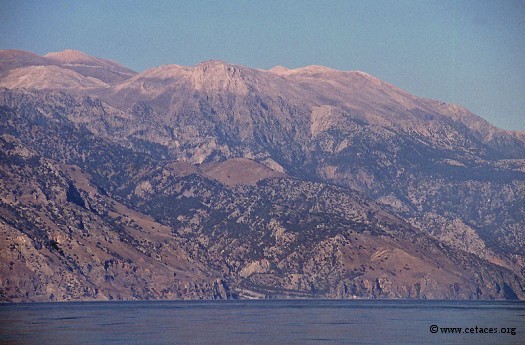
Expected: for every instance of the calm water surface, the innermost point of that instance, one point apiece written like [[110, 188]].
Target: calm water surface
[[261, 322]]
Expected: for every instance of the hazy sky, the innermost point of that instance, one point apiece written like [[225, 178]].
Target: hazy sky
[[467, 52]]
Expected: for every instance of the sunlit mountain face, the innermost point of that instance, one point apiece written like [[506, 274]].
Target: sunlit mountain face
[[219, 181]]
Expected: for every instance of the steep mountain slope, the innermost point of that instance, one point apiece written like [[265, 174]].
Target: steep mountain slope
[[66, 239], [264, 181]]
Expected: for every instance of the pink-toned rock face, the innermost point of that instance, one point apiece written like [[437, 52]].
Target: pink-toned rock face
[[99, 71], [49, 77], [11, 59], [368, 98], [70, 56], [74, 57]]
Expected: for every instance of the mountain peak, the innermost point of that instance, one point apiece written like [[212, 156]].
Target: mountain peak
[[313, 69], [219, 75], [106, 70], [212, 62], [164, 72], [217, 67], [69, 55], [74, 57], [278, 70]]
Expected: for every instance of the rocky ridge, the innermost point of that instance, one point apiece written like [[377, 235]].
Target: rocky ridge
[[220, 181]]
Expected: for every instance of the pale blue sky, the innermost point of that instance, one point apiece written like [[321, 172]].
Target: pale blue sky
[[467, 52]]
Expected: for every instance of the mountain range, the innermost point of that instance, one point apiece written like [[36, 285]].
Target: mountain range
[[220, 181]]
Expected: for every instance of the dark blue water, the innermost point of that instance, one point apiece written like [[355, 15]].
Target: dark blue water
[[262, 322]]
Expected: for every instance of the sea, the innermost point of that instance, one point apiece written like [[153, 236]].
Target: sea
[[264, 322]]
